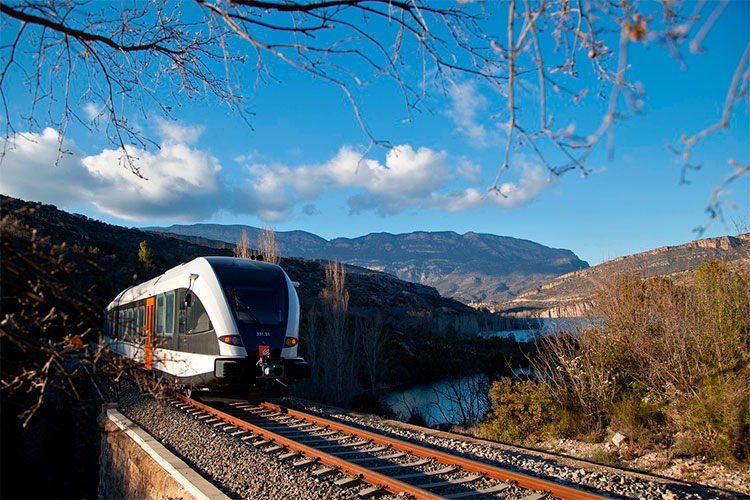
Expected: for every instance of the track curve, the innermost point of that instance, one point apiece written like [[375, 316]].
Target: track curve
[[340, 447]]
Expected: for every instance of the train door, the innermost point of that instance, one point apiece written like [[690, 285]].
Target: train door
[[149, 359]]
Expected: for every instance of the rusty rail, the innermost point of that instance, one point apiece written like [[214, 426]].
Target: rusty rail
[[523, 480], [392, 485]]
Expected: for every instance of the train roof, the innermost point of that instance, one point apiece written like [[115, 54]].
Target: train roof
[[179, 276]]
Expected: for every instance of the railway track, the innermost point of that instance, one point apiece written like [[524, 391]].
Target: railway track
[[371, 462]]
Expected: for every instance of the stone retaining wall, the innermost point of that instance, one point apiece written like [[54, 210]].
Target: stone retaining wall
[[132, 464]]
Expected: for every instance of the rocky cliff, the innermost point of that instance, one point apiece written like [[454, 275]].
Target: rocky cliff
[[571, 294]]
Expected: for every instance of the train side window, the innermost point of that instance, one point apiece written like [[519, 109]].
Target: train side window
[[181, 311], [197, 317], [169, 314], [141, 317], [120, 323], [125, 323], [160, 315]]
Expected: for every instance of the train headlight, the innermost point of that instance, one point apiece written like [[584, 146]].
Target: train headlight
[[231, 339], [290, 342]]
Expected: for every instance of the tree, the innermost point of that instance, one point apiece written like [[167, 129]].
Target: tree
[[373, 338], [242, 249], [336, 352], [166, 54], [269, 248], [145, 254]]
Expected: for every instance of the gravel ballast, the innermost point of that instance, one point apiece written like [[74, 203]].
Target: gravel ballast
[[239, 469], [242, 470], [606, 481]]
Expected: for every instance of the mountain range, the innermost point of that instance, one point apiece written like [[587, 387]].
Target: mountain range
[[470, 267]]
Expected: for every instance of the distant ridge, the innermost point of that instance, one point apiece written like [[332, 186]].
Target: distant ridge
[[572, 293], [471, 267]]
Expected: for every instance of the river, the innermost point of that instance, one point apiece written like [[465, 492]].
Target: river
[[466, 399]]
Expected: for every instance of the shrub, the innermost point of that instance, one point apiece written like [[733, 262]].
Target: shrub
[[641, 419], [145, 254], [718, 418], [525, 411], [667, 363]]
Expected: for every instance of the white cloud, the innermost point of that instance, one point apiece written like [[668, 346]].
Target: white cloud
[[471, 171], [92, 111], [180, 183], [406, 179], [466, 104], [529, 186], [28, 169], [173, 133], [183, 183]]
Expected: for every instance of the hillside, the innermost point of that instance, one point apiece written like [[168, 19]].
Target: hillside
[[471, 267], [571, 294], [114, 249]]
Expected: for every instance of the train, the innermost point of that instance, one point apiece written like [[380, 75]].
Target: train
[[220, 324]]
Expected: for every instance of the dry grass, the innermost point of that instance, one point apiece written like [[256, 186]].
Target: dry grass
[[665, 360]]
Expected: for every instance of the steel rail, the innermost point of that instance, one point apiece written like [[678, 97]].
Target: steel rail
[[372, 477], [523, 480], [392, 485]]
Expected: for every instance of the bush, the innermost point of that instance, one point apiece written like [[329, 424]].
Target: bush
[[667, 363], [641, 419], [718, 417], [526, 411], [145, 254]]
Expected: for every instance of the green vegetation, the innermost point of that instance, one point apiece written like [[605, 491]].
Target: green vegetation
[[145, 254], [670, 365]]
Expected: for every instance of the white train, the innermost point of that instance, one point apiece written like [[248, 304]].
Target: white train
[[213, 322]]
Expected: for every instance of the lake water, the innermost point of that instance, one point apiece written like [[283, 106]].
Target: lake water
[[542, 327], [443, 401], [455, 400]]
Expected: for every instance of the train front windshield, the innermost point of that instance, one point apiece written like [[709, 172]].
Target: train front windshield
[[257, 297]]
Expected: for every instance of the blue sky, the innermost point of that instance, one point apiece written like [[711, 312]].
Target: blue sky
[[300, 167]]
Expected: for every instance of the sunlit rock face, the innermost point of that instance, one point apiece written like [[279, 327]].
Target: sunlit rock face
[[572, 294]]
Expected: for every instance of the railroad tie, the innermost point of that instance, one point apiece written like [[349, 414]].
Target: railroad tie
[[348, 482], [535, 496], [304, 462], [444, 470], [287, 456], [323, 471], [372, 491], [416, 463], [449, 482], [372, 459], [466, 494], [375, 450]]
